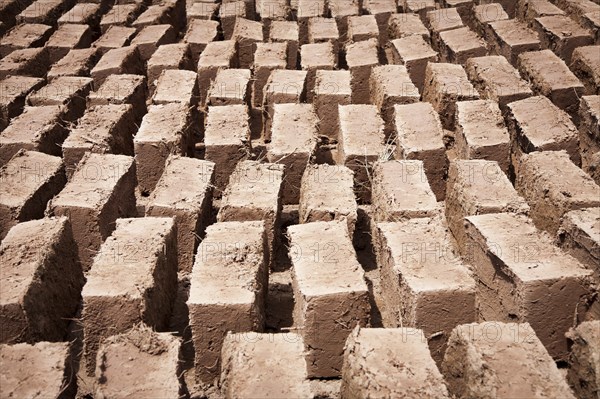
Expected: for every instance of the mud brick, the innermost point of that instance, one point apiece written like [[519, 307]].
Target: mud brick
[[458, 45], [82, 13], [165, 130], [326, 194], [104, 129], [13, 91], [283, 86], [516, 363], [589, 136], [120, 15], [254, 193], [585, 63], [198, 35], [308, 9], [41, 281], [216, 56], [78, 62], [168, 56], [382, 10], [67, 37], [591, 21], [227, 140], [361, 142], [401, 191], [123, 60], [43, 12], [67, 91], [536, 124], [202, 11], [332, 88], [249, 375], [419, 272], [286, 31], [230, 11], [122, 89], [170, 12], [481, 134], [584, 371], [184, 191], [159, 358], [529, 10], [446, 84], [390, 85], [293, 143], [330, 292], [578, 8], [402, 25], [233, 301], [496, 79], [420, 7], [441, 20], [246, 34], [579, 235], [44, 368], [478, 187], [361, 58], [36, 129], [27, 62], [324, 30], [9, 10], [100, 191], [313, 57], [231, 86], [550, 198], [371, 354], [152, 36], [420, 137], [510, 38], [462, 6], [267, 58], [114, 37], [503, 247], [483, 14], [341, 11], [177, 86], [135, 275], [362, 27], [271, 11], [562, 35], [414, 52], [30, 179], [25, 36]]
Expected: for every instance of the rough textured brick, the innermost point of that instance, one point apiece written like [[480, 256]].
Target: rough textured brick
[[585, 63], [123, 60], [313, 57], [361, 58], [584, 370], [287, 31], [152, 36], [27, 62], [122, 89], [198, 35], [589, 135], [246, 34], [402, 25], [42, 12], [168, 56], [217, 55], [267, 58], [120, 15], [332, 88], [458, 45], [13, 91], [24, 36], [561, 34], [68, 92], [483, 14], [114, 37], [363, 27], [176, 86], [78, 62], [414, 52], [67, 37], [230, 87], [283, 86], [510, 38]]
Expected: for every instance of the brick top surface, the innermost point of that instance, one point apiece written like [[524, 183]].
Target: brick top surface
[[294, 129]]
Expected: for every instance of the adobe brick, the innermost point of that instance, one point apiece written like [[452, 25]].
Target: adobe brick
[[529, 10], [170, 12], [246, 34], [152, 36], [363, 27], [591, 21], [443, 19], [579, 235], [13, 91], [402, 25], [133, 279], [420, 137], [585, 63], [43, 12], [483, 14], [419, 272], [308, 9], [176, 86], [27, 62], [245, 373], [420, 7], [510, 38], [401, 191], [123, 60], [360, 143], [382, 10], [578, 8], [122, 89], [78, 62], [120, 15], [462, 6], [168, 56], [43, 281], [550, 198], [458, 45], [414, 52], [201, 10], [66, 91], [283, 86], [198, 35], [561, 34], [114, 37], [25, 36], [216, 56], [589, 136], [30, 179], [481, 134], [324, 30], [271, 11], [230, 86], [583, 372], [165, 130], [332, 88], [293, 143], [361, 58], [230, 11], [331, 296], [267, 58], [495, 345], [82, 13], [315, 56], [221, 302], [341, 11], [371, 354], [36, 129], [67, 37], [286, 31], [189, 204], [497, 80], [103, 129]]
